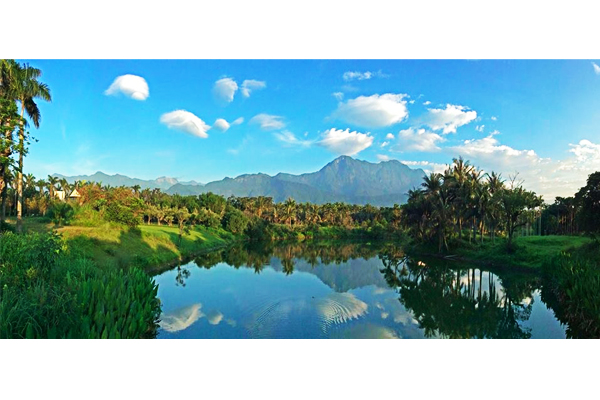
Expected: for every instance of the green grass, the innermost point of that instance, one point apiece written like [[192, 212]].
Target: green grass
[[147, 246], [529, 252]]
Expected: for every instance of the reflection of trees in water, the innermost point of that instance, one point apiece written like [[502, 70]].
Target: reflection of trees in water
[[182, 274], [456, 303], [257, 255]]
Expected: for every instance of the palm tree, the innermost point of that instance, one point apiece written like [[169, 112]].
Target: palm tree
[[41, 184], [29, 181], [52, 184], [27, 89], [65, 187], [136, 190], [289, 211], [460, 172]]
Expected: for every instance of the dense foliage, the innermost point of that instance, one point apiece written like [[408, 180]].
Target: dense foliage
[[573, 280], [44, 293], [464, 198]]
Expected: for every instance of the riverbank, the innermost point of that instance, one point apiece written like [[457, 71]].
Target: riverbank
[[157, 247], [530, 252], [146, 246]]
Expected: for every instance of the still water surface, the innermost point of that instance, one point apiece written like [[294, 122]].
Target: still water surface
[[335, 290]]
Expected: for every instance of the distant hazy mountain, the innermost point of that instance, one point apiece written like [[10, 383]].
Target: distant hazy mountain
[[344, 179], [162, 183]]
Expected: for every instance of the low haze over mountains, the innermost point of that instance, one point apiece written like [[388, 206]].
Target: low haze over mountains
[[344, 179], [162, 183]]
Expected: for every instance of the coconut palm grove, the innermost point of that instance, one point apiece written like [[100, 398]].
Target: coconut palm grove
[[307, 240]]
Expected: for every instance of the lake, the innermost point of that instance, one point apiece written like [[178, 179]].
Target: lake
[[347, 290]]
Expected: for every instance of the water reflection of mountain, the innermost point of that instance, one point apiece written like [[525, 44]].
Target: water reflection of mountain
[[341, 266], [409, 297]]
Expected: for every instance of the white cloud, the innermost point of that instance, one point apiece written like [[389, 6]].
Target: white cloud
[[132, 86], [383, 157], [376, 111], [384, 144], [225, 89], [221, 125], [450, 118], [543, 175], [389, 136], [596, 68], [427, 103], [185, 121], [417, 140], [480, 128], [268, 122], [339, 96], [360, 76], [290, 139], [494, 118], [345, 142], [426, 166], [411, 102], [249, 85]]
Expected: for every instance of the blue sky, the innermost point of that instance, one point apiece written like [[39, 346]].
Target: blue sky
[[540, 118]]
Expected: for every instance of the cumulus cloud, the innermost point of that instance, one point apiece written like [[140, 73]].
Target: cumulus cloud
[[450, 118], [417, 140], [426, 166], [383, 157], [339, 96], [185, 121], [494, 118], [545, 176], [268, 122], [384, 144], [249, 85], [132, 86], [389, 136], [480, 128], [376, 111], [596, 68], [427, 103], [360, 76], [225, 89], [221, 125], [345, 142], [290, 139]]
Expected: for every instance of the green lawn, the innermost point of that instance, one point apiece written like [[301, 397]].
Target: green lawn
[[530, 251], [148, 246]]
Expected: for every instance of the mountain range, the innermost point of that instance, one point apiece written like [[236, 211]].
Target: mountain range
[[162, 183], [344, 179]]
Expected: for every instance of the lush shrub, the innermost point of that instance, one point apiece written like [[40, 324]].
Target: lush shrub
[[60, 213], [88, 216], [575, 281], [6, 227], [208, 218], [46, 294], [235, 221], [122, 214]]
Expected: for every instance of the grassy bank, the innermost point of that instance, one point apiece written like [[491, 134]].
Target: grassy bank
[[529, 252], [146, 246], [572, 283]]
